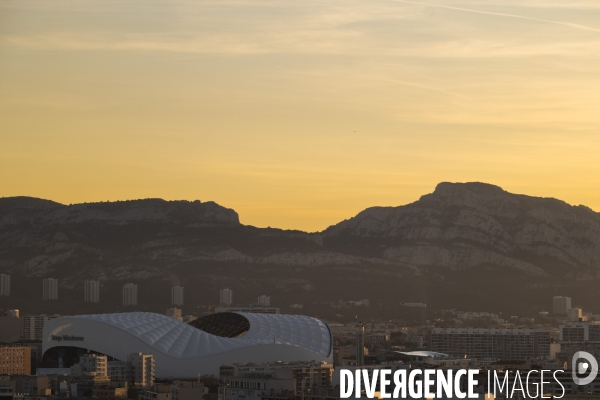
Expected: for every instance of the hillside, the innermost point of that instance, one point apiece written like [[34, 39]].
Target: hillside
[[472, 246]]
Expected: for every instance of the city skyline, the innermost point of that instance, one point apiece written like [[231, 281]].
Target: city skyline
[[402, 194], [302, 120]]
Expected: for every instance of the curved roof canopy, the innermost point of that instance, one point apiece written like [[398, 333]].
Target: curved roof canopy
[[218, 333]]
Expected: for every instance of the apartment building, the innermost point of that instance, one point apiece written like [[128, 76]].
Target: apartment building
[[507, 344], [578, 336], [561, 305], [4, 285], [579, 332], [226, 297], [137, 369], [92, 291], [142, 369], [15, 360], [130, 294], [50, 289], [32, 327], [177, 295], [90, 365], [264, 300]]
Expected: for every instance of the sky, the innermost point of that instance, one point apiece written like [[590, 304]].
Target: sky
[[298, 114]]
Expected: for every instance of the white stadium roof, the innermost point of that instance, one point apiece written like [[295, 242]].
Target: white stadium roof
[[181, 349], [178, 339]]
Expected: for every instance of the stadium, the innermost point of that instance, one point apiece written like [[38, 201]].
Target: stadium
[[186, 350]]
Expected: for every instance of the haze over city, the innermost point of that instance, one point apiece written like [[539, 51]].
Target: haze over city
[[298, 115]]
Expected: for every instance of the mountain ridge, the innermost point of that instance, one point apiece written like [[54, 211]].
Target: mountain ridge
[[431, 250]]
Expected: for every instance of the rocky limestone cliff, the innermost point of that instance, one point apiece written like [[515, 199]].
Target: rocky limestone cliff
[[461, 226], [438, 250], [37, 212]]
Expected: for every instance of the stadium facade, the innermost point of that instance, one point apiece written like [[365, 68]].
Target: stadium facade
[[186, 350]]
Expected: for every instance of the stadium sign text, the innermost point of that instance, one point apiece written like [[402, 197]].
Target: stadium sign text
[[67, 338]]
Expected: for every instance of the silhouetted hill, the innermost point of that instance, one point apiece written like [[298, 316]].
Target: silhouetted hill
[[471, 246], [471, 225]]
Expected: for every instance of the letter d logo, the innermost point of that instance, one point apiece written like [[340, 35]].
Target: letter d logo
[[581, 367]]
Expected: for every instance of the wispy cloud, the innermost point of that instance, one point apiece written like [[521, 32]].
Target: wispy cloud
[[499, 14], [317, 42], [382, 28]]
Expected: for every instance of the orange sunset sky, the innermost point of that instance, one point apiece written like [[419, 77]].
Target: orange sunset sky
[[298, 114]]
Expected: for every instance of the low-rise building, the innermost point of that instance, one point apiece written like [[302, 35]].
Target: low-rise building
[[254, 386], [346, 354], [32, 385], [253, 308], [417, 340], [174, 313], [158, 392], [109, 392], [376, 339], [251, 381], [575, 314], [83, 386], [187, 390], [7, 388]]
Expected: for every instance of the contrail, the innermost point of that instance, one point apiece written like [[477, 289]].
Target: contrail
[[577, 26]]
